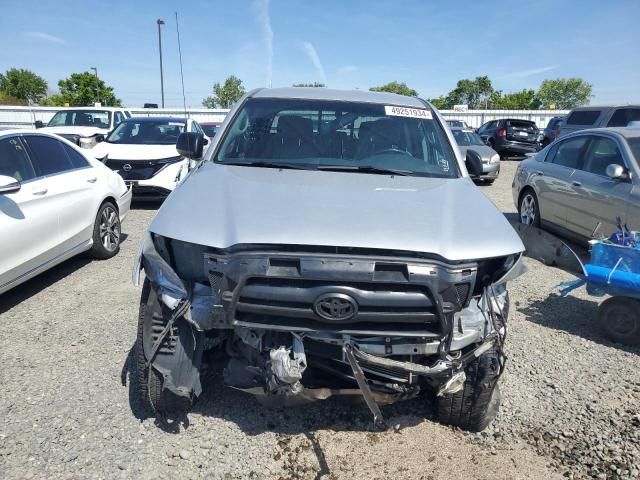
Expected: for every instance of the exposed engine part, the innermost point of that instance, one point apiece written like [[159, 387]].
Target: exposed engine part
[[286, 369]]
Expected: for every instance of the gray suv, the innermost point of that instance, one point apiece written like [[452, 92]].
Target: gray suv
[[329, 243], [598, 117]]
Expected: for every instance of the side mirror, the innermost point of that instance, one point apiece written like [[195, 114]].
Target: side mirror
[[39, 124], [9, 184], [190, 145], [99, 138], [616, 172], [205, 141], [473, 164]]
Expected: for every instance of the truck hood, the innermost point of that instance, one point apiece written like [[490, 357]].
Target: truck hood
[[122, 151], [72, 130], [223, 205]]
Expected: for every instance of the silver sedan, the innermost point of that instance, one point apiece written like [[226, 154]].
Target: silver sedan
[[579, 185], [470, 143]]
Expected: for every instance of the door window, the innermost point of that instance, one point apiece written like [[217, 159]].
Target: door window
[[77, 160], [568, 152], [602, 153], [118, 118], [14, 161], [583, 117], [48, 156], [623, 116]]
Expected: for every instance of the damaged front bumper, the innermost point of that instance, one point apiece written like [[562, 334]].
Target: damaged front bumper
[[388, 324]]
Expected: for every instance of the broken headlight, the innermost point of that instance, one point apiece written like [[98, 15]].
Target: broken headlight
[[495, 270]]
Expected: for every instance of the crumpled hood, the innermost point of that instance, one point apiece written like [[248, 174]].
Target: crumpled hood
[[221, 206], [72, 130], [484, 151], [121, 151]]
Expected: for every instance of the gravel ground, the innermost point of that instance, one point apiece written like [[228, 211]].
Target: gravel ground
[[571, 399]]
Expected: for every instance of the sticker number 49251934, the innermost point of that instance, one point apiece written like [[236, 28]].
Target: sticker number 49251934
[[408, 112]]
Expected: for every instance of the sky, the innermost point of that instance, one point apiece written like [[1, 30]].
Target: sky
[[430, 45]]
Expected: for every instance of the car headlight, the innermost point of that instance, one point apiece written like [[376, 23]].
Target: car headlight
[[87, 142], [169, 161], [495, 158]]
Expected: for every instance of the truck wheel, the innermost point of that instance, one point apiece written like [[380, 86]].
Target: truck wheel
[[475, 406], [106, 232], [619, 319], [149, 381]]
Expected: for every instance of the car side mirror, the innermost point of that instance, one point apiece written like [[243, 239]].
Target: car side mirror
[[9, 184], [39, 124], [99, 138], [205, 141], [616, 172], [190, 144], [473, 164]]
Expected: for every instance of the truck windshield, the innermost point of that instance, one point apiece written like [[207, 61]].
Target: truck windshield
[[342, 136]]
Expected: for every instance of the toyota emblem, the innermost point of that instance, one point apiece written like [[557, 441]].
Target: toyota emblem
[[335, 307], [126, 167]]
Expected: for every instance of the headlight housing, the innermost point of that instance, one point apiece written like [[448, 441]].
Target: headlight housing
[[495, 158], [90, 142]]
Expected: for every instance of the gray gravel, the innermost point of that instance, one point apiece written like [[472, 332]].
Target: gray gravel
[[571, 398]]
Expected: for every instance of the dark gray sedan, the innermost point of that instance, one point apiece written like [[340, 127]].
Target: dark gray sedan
[[471, 144], [581, 183]]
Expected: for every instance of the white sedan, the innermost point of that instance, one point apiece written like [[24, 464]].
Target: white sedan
[[143, 151], [54, 203]]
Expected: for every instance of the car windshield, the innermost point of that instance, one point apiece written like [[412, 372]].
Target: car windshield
[[338, 135], [209, 130], [81, 118], [147, 132], [465, 139]]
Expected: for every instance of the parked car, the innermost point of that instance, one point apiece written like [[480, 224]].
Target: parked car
[[510, 136], [55, 202], [457, 123], [85, 126], [598, 117], [552, 130], [471, 144], [340, 258], [210, 128], [581, 183], [143, 151]]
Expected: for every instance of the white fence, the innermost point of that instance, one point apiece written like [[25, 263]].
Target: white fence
[[25, 117]]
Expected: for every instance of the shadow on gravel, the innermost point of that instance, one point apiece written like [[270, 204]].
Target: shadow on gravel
[[572, 315], [32, 287]]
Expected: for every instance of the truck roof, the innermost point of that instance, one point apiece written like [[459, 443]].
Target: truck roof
[[363, 96]]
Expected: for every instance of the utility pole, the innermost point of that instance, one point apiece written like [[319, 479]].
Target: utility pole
[[95, 71], [160, 22]]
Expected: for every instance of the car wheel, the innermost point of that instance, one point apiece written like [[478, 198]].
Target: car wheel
[[106, 232], [528, 209], [619, 319], [477, 404], [148, 381]]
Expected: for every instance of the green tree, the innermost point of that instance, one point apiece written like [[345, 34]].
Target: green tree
[[396, 87], [11, 100], [82, 89], [23, 85], [440, 102], [525, 99], [314, 84], [474, 93], [564, 93], [225, 95]]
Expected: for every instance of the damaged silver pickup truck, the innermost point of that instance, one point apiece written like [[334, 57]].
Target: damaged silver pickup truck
[[329, 243]]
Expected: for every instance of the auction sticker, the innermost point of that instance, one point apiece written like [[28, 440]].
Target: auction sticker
[[408, 112]]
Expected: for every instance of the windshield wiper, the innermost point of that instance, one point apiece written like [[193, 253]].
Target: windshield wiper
[[366, 169], [292, 166]]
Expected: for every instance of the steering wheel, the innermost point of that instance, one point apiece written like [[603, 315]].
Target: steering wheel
[[393, 150]]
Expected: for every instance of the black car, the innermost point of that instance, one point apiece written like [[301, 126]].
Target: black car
[[511, 136], [552, 130]]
